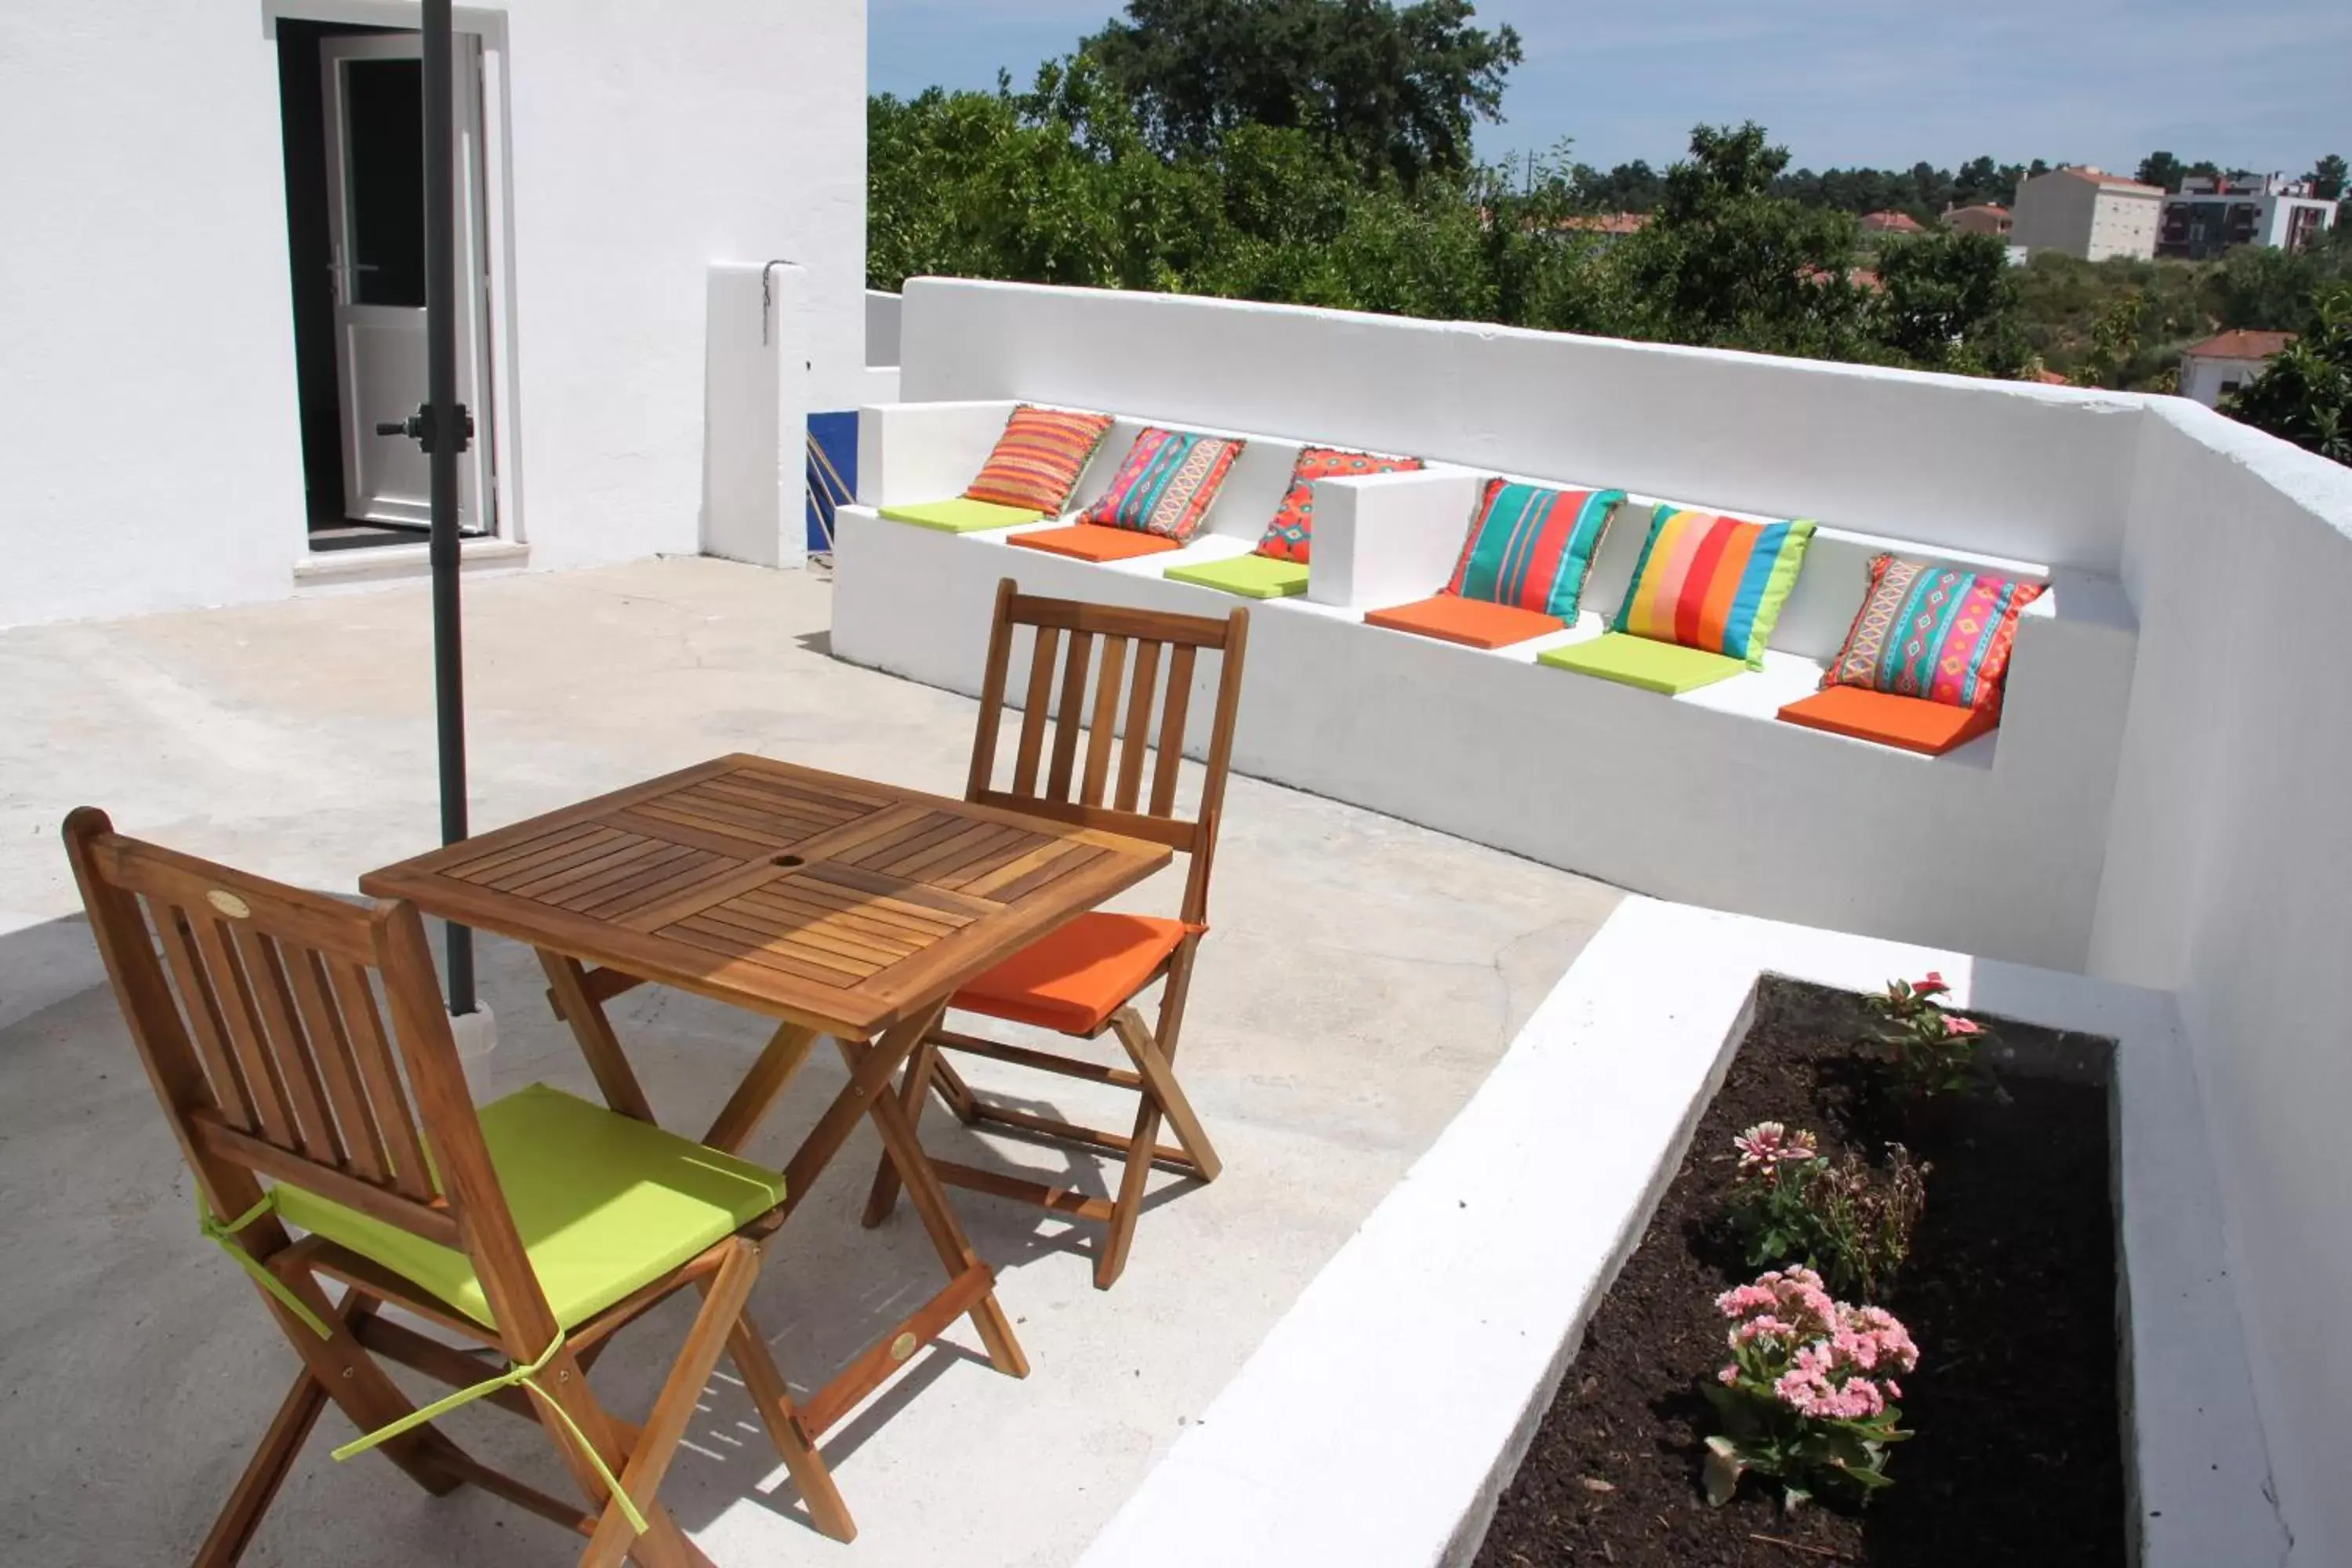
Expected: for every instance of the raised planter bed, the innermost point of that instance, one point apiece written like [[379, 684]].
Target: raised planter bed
[[1390, 1408], [2010, 1294]]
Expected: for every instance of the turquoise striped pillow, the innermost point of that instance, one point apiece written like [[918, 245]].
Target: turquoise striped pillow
[[1166, 484]]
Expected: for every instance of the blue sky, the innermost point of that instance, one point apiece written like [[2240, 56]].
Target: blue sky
[[2263, 84]]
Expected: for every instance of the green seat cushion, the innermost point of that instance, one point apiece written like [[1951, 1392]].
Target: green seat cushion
[[1645, 662], [1251, 576], [605, 1204], [961, 516]]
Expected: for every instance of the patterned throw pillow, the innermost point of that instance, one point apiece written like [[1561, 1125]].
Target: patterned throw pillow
[[1037, 460], [1533, 547], [1933, 632], [1710, 582], [1291, 534], [1166, 484]]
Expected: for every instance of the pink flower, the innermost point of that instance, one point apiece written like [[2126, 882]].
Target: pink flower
[[1931, 986], [1768, 1145], [1818, 1356], [1961, 1026]]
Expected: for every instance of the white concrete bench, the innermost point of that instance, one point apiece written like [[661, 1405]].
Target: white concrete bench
[[1704, 798]]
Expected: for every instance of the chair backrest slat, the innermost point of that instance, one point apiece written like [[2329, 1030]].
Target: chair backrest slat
[[1041, 695], [382, 1078], [264, 1084], [204, 1020], [330, 1042], [306, 1098], [1139, 727], [1102, 731], [260, 1027], [1069, 715], [1147, 658], [1172, 731]]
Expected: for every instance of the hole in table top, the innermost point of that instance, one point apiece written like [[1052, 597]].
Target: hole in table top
[[787, 861]]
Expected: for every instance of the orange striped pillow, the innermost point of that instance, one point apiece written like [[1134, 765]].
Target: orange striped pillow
[[1037, 460], [1714, 584]]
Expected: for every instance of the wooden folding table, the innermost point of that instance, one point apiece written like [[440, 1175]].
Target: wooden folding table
[[835, 905]]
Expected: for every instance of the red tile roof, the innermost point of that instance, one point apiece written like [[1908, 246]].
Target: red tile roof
[[1891, 223], [1608, 223], [2240, 343]]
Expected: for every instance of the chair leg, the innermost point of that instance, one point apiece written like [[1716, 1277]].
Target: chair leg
[[912, 1090], [232, 1533], [1160, 1083], [662, 1543], [953, 1091], [352, 1378], [809, 1471]]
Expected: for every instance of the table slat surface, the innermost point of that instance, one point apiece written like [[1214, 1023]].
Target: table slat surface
[[831, 901]]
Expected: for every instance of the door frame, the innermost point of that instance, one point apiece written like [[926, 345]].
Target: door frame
[[477, 475], [508, 517]]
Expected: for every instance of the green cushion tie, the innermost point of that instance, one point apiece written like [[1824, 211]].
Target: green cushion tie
[[224, 1237], [511, 1377]]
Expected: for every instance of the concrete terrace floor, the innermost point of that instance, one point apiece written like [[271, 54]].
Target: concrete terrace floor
[[1363, 977]]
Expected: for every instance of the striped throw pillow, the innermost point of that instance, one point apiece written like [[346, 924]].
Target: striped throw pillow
[[1037, 460], [1166, 484], [1933, 632], [1291, 536], [1533, 547], [1710, 582]]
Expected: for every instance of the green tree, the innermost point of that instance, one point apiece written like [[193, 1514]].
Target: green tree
[[1981, 180], [2276, 290], [2161, 169], [1728, 264], [1398, 89], [1947, 300], [2305, 393], [2327, 176], [2115, 344]]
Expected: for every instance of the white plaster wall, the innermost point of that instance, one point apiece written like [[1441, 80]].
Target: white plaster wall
[[881, 327], [1698, 799], [2201, 378], [2230, 881], [149, 452], [2124, 223], [148, 444], [2048, 471]]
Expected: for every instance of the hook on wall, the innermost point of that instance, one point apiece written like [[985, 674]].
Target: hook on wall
[[767, 296]]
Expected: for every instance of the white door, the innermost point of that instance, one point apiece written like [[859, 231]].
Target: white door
[[375, 210]]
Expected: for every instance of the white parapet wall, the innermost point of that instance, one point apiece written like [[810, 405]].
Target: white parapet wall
[[1704, 798], [2162, 806], [2228, 881]]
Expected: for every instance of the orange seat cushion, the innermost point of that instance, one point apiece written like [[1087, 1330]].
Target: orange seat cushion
[[1913, 723], [1094, 542], [1474, 621], [1076, 978]]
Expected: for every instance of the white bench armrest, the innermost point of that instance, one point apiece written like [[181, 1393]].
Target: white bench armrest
[[909, 452], [1388, 539]]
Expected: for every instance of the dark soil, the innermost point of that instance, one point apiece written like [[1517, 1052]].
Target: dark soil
[[2010, 1294]]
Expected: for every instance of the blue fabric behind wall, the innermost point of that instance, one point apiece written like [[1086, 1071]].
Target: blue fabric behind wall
[[837, 434]]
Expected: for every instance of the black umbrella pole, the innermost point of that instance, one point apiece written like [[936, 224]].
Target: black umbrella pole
[[446, 437]]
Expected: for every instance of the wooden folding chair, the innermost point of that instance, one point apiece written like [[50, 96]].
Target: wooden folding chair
[[536, 1227], [1083, 979]]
